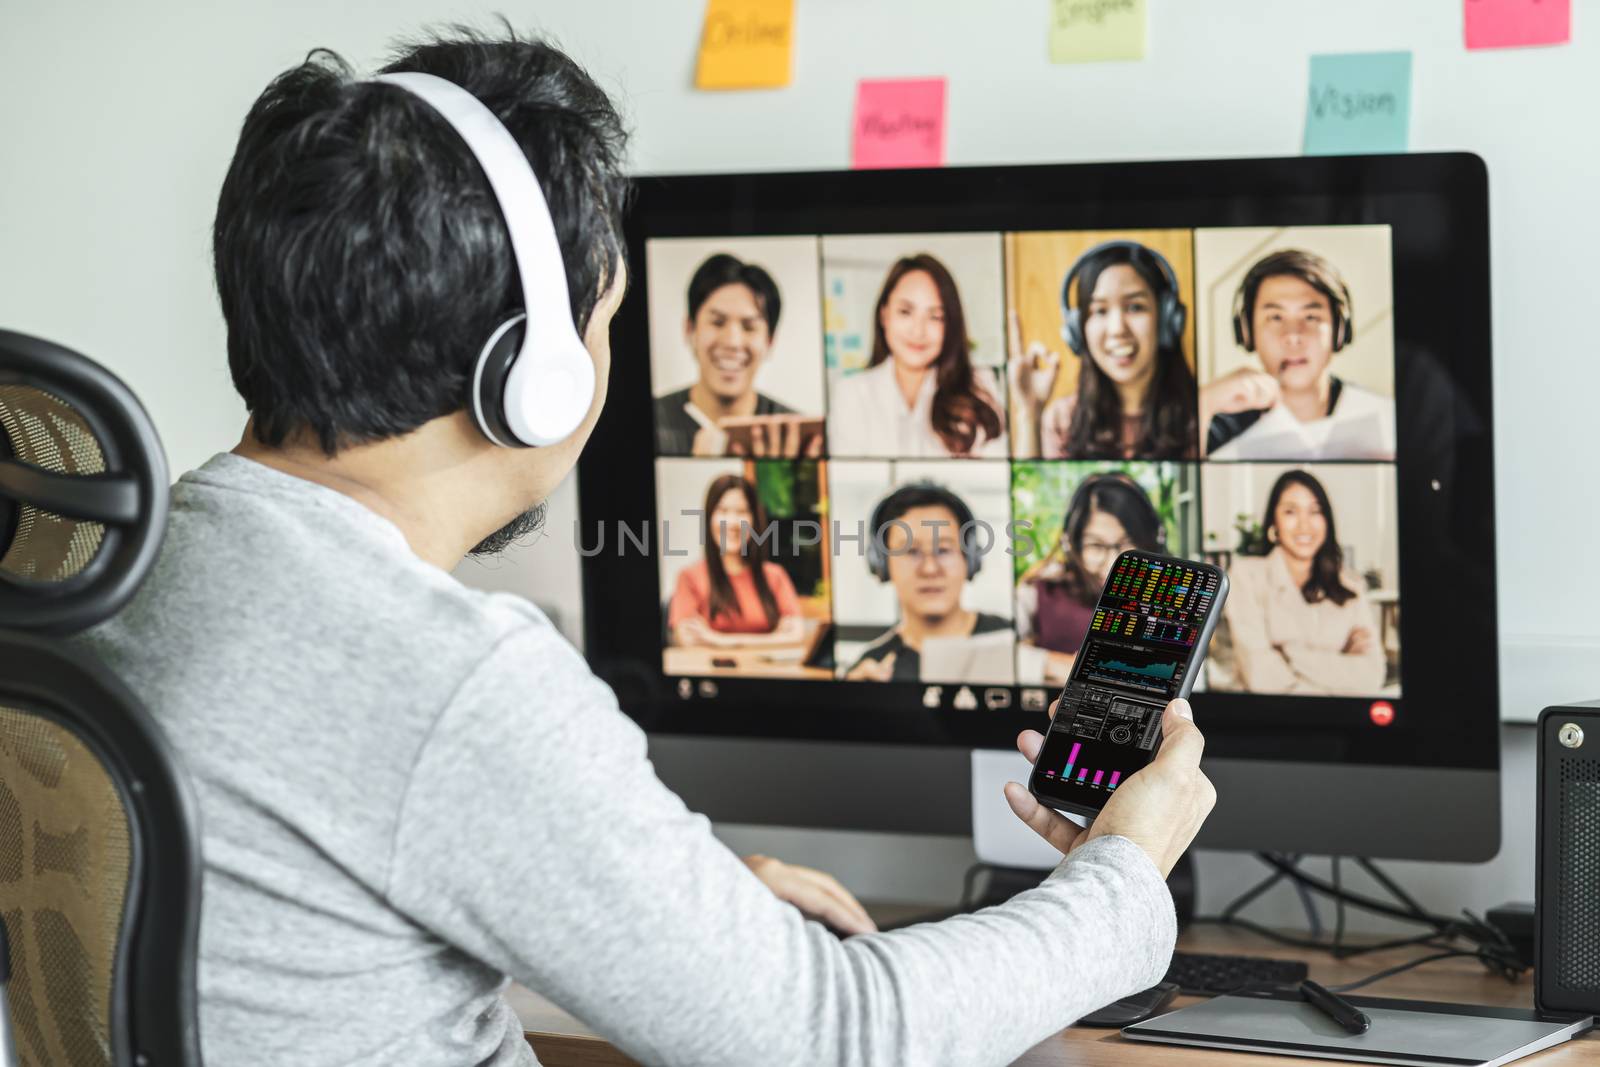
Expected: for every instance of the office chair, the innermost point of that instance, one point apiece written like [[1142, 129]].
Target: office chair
[[99, 836]]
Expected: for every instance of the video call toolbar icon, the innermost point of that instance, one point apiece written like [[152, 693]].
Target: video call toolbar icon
[[1035, 699], [685, 688], [995, 699], [965, 699], [933, 696], [708, 688]]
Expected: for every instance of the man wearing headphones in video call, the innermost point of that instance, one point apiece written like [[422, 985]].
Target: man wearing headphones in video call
[[1293, 310], [922, 539], [412, 791], [731, 326]]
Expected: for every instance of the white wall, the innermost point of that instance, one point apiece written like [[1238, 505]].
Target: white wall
[[118, 123]]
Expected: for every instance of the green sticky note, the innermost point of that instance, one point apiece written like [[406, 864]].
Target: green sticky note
[[1088, 31], [1360, 102]]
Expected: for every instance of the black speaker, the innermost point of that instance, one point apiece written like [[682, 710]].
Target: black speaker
[[1567, 872]]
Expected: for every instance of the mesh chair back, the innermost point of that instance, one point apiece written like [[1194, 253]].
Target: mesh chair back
[[83, 489], [64, 866], [99, 853]]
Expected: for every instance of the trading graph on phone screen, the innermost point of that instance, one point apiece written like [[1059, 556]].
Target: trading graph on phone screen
[[1133, 661]]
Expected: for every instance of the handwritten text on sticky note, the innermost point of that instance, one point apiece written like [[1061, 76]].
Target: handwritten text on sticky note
[[1359, 102], [1086, 31], [899, 123], [746, 44], [1516, 23]]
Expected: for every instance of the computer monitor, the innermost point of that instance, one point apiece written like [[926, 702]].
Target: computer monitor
[[1279, 366]]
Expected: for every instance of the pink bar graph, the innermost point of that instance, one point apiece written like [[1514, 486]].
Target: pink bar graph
[[1114, 776], [1072, 757], [1098, 775], [1083, 772]]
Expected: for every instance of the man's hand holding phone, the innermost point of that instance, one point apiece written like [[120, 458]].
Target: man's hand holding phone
[[1159, 807]]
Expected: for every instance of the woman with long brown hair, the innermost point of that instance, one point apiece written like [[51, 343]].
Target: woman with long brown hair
[[735, 596], [919, 395]]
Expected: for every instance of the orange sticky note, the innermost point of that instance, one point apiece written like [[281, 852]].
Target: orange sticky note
[[746, 44], [1517, 23], [899, 123]]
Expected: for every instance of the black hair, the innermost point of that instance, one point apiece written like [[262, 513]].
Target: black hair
[[1316, 271], [723, 269], [1125, 500], [1324, 582], [1168, 425], [918, 495], [361, 258]]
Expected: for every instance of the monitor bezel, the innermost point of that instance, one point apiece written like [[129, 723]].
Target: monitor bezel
[[1437, 207]]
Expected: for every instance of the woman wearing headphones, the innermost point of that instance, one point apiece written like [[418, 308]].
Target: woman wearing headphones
[[1109, 514], [735, 597], [1136, 394], [1298, 620], [919, 396]]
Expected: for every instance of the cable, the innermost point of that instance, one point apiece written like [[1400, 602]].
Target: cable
[[1390, 972], [968, 881], [1338, 909], [1490, 945]]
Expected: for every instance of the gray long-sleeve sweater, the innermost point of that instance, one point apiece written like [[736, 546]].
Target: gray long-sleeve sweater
[[413, 791]]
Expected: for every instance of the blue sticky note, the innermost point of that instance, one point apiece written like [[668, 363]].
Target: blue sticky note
[[1359, 102]]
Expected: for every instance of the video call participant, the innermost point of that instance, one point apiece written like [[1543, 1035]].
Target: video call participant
[[1293, 311], [922, 544], [1136, 393], [731, 325], [735, 597], [370, 741], [1298, 620], [919, 396], [1109, 514]]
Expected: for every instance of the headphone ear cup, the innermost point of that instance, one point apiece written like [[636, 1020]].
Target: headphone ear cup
[[489, 378], [1072, 331], [1174, 317], [1344, 333]]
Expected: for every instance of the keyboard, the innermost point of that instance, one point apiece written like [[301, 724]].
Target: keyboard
[[1200, 975]]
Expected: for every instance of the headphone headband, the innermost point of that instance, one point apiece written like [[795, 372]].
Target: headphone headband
[[877, 544], [537, 391], [1171, 314]]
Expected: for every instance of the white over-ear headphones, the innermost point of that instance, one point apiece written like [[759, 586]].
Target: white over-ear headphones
[[534, 380]]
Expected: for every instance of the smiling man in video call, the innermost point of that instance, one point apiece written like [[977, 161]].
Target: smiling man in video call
[[731, 326], [1293, 310], [918, 532], [412, 792]]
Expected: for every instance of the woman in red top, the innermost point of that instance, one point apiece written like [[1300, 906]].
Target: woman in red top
[[735, 596]]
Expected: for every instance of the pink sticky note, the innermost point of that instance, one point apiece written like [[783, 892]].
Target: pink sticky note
[[1517, 23], [899, 123]]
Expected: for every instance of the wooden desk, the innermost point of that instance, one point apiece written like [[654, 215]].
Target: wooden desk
[[562, 1041]]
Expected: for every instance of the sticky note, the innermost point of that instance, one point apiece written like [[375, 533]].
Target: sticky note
[[1517, 23], [899, 123], [1087, 31], [746, 44], [1359, 102]]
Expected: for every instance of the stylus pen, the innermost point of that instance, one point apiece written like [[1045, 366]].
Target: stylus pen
[[1335, 1007]]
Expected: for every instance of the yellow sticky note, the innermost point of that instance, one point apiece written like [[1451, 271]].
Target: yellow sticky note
[[746, 44], [1087, 31]]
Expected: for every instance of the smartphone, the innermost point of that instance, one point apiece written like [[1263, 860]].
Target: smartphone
[[1145, 641]]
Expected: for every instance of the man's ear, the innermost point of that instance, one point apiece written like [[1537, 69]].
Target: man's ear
[[688, 327]]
